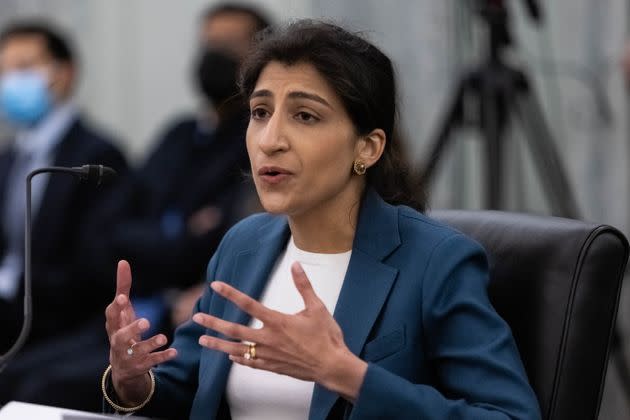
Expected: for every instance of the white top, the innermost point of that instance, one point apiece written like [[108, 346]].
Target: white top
[[258, 394]]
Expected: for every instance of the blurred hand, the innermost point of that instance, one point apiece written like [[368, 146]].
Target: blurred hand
[[204, 220], [130, 357], [184, 304]]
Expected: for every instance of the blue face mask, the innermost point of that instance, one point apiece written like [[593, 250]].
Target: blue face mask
[[24, 97]]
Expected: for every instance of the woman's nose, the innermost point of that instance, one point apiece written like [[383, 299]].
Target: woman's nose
[[274, 137]]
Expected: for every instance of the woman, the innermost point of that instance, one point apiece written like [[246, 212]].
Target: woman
[[413, 333]]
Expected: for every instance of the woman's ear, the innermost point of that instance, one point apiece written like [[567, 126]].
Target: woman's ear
[[370, 147]]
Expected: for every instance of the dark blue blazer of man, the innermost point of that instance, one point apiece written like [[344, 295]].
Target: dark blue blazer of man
[[413, 305], [190, 168], [65, 291]]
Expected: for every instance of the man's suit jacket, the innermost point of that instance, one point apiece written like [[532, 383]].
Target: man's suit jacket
[[413, 305], [188, 170], [64, 294]]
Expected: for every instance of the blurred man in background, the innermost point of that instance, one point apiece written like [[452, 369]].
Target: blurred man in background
[[192, 187], [169, 215], [37, 76], [38, 73]]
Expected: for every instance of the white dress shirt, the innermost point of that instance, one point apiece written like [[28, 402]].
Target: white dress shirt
[[258, 394], [34, 148]]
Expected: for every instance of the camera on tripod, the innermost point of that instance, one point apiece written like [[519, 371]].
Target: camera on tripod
[[495, 13], [497, 9], [501, 90]]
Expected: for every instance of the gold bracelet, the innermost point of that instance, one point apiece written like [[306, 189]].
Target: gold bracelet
[[120, 407]]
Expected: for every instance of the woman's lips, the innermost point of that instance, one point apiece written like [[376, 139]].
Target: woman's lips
[[273, 175]]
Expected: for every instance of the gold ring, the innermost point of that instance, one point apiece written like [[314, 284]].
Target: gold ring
[[250, 354], [130, 348]]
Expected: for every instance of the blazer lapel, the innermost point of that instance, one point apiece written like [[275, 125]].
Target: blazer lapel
[[366, 285], [6, 162], [252, 268], [58, 190]]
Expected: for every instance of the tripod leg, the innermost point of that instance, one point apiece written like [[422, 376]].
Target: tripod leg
[[492, 127], [452, 119], [546, 157]]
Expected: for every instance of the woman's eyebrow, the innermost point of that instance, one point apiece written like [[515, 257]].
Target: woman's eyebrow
[[298, 94], [306, 95], [260, 93]]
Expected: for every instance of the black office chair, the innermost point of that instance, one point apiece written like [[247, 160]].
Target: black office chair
[[557, 284]]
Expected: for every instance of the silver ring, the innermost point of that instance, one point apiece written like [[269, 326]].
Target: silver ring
[[130, 348]]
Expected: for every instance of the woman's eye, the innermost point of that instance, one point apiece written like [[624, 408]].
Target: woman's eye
[[258, 113], [306, 117]]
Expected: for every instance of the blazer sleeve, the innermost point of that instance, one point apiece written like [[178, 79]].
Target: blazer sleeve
[[478, 371], [176, 381]]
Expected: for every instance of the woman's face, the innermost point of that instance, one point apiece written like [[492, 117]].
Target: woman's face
[[301, 142]]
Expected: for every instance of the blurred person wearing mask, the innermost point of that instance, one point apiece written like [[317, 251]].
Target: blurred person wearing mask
[[37, 76], [38, 73], [167, 216], [192, 187]]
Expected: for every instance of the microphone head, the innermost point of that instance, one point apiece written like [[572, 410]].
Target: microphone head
[[97, 174]]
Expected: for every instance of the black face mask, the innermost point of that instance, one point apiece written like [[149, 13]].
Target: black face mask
[[216, 75]]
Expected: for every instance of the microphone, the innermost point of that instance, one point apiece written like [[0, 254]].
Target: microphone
[[93, 174]]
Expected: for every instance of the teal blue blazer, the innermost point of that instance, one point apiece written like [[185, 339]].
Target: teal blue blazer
[[413, 304]]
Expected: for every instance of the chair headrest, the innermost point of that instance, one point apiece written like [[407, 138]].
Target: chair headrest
[[556, 282]]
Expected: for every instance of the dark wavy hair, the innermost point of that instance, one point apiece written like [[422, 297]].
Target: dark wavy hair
[[260, 18], [56, 42], [362, 76]]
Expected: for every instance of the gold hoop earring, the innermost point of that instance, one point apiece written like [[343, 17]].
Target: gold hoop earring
[[358, 167]]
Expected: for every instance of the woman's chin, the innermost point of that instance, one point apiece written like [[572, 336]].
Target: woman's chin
[[274, 207], [274, 211]]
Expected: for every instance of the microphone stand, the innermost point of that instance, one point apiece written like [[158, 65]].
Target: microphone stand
[[85, 173]]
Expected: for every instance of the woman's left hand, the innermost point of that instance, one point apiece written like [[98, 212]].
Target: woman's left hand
[[307, 345]]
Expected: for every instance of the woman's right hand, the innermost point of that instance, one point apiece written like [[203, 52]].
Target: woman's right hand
[[131, 357]]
